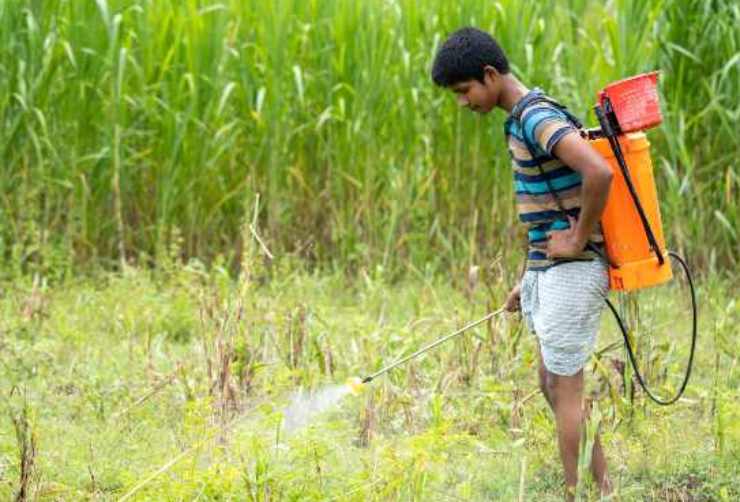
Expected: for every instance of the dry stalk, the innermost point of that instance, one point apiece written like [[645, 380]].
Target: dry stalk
[[297, 333], [449, 378], [517, 412], [471, 283], [325, 357], [222, 323], [368, 420], [471, 366], [226, 391], [329, 363], [407, 407], [36, 303], [261, 242], [26, 440], [493, 339], [413, 380], [93, 481], [246, 375]]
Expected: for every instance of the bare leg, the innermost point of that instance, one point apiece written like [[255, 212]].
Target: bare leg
[[565, 397], [566, 393]]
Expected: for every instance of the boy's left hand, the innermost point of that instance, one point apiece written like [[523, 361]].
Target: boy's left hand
[[565, 243]]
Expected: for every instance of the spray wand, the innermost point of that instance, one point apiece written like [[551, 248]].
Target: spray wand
[[356, 383]]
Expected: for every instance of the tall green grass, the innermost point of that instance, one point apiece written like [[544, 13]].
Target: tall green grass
[[127, 124]]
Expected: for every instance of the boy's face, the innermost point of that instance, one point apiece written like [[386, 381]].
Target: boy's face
[[479, 97]]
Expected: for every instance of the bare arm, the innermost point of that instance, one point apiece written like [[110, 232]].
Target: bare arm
[[576, 153]]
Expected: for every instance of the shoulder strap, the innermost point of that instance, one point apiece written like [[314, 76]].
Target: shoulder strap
[[537, 98], [517, 114]]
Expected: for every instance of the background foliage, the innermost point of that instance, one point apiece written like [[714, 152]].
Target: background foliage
[[126, 125]]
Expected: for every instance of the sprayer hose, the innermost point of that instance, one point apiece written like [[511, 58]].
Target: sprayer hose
[[631, 352]]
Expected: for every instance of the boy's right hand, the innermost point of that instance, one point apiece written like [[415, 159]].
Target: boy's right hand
[[512, 303]]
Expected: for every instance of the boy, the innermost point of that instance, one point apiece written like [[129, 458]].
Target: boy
[[561, 190]]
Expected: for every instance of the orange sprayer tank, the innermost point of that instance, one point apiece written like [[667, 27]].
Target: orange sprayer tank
[[626, 243]]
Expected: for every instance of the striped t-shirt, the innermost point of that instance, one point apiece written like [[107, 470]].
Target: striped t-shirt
[[532, 131]]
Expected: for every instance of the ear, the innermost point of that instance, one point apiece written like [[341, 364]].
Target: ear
[[489, 72]]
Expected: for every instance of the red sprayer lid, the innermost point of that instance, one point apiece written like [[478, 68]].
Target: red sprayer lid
[[634, 101]]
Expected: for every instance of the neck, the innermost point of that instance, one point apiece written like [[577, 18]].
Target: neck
[[512, 90]]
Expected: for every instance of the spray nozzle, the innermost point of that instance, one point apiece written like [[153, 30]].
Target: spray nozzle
[[355, 384]]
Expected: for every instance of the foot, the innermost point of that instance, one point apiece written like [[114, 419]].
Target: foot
[[606, 489]]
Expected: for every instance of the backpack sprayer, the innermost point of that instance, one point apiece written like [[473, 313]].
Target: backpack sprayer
[[631, 224], [633, 233]]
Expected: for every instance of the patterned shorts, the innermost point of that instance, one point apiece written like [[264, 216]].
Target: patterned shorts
[[562, 306]]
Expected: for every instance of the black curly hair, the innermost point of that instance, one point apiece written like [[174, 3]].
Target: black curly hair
[[464, 55]]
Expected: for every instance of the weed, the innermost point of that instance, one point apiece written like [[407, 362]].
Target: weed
[[26, 439]]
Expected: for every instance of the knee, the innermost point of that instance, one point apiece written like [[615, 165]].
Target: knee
[[565, 390], [550, 384]]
